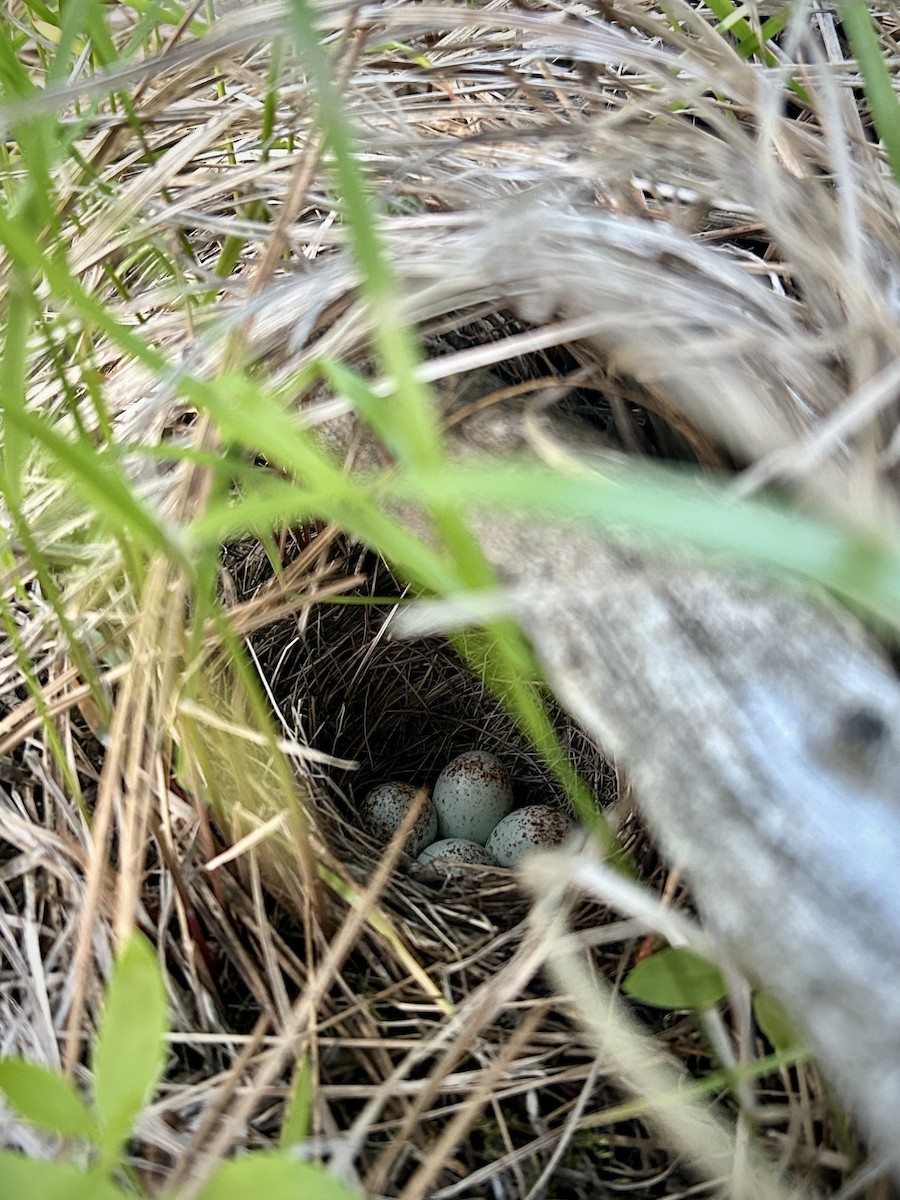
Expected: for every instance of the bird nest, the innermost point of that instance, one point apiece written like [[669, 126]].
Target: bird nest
[[418, 1021], [382, 708]]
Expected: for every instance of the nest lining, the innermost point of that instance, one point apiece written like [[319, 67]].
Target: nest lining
[[402, 710]]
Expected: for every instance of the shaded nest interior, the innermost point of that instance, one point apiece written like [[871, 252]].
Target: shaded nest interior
[[402, 710]]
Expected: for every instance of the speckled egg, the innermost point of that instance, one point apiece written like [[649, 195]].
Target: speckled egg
[[472, 793], [525, 830], [455, 850], [384, 808]]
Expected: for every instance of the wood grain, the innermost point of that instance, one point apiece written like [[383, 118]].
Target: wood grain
[[763, 734]]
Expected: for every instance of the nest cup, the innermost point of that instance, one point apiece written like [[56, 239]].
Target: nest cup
[[402, 709]]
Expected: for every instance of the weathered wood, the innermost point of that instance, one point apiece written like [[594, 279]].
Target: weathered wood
[[763, 734]]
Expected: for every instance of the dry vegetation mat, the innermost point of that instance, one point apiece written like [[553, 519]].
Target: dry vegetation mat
[[384, 381]]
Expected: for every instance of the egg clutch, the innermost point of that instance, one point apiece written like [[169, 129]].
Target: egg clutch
[[469, 818]]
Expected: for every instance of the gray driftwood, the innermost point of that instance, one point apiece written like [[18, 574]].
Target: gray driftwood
[[763, 734]]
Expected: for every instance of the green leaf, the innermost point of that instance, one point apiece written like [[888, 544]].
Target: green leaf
[[297, 1120], [47, 14], [46, 1098], [878, 84], [776, 1024], [13, 377], [379, 412], [24, 1178], [276, 1177], [730, 19], [128, 1057], [14, 78], [675, 978]]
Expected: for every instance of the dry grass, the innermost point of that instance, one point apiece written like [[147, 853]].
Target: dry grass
[[701, 234]]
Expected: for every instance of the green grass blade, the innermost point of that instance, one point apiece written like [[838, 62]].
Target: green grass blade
[[297, 1123], [877, 83], [100, 480], [13, 369], [276, 1177], [692, 512], [24, 1178], [731, 20], [394, 344]]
